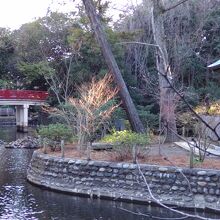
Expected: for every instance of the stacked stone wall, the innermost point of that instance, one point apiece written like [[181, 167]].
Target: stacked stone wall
[[126, 181]]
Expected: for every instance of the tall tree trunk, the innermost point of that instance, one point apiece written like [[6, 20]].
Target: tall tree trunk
[[167, 105], [111, 62]]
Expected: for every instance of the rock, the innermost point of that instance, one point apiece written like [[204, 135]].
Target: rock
[[2, 143], [27, 142], [202, 183], [201, 173]]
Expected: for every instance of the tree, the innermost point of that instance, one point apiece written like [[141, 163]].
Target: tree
[[167, 104], [111, 62], [6, 57], [91, 110]]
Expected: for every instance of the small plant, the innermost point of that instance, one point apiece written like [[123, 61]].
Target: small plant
[[54, 133], [127, 144], [211, 109]]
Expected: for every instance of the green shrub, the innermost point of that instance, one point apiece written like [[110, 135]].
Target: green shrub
[[54, 133], [212, 109], [125, 142], [126, 137]]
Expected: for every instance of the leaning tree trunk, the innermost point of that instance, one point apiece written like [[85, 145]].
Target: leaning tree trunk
[[111, 62], [167, 104]]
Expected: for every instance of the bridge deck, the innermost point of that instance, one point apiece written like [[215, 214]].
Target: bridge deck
[[23, 95], [20, 97]]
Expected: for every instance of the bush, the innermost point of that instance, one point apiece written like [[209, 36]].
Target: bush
[[126, 137], [211, 109], [125, 141], [54, 133]]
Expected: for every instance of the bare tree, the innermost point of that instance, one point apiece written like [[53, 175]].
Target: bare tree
[[167, 105], [93, 107]]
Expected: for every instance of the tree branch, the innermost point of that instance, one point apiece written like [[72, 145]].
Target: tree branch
[[190, 107], [174, 6], [163, 205]]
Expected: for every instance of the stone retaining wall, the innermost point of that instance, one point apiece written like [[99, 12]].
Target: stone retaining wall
[[124, 181]]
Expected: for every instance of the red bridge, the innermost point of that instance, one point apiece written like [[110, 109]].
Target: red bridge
[[23, 95], [22, 99]]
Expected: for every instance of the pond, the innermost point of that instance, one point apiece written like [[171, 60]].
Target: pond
[[20, 200]]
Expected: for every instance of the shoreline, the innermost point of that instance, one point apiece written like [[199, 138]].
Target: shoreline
[[123, 182]]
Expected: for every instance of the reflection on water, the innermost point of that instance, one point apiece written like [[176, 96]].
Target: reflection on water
[[19, 200], [9, 133]]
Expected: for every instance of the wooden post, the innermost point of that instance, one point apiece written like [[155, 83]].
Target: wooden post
[[191, 157], [44, 146], [134, 153], [89, 146], [62, 148], [184, 131], [40, 141]]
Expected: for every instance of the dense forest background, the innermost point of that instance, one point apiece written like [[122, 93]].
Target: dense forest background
[[59, 52]]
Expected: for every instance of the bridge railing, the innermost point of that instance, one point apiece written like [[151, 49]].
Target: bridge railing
[[23, 95]]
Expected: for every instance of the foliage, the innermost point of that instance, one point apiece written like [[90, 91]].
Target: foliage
[[127, 144], [90, 111], [126, 138], [54, 133], [212, 109], [33, 71], [211, 89], [59, 52], [149, 119], [94, 106]]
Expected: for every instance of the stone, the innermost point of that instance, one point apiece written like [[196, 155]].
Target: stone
[[211, 191], [132, 166], [194, 190], [202, 183], [207, 179], [105, 180], [75, 167], [188, 199], [102, 169], [129, 182], [71, 162], [212, 184], [214, 178], [91, 163], [182, 189], [107, 174], [201, 173], [2, 142], [65, 170], [125, 165], [174, 188], [78, 162], [109, 170], [26, 142], [166, 187], [129, 177], [115, 170], [185, 183], [100, 174], [163, 169], [210, 199], [205, 190], [199, 189]]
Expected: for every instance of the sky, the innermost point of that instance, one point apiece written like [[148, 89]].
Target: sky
[[14, 13]]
